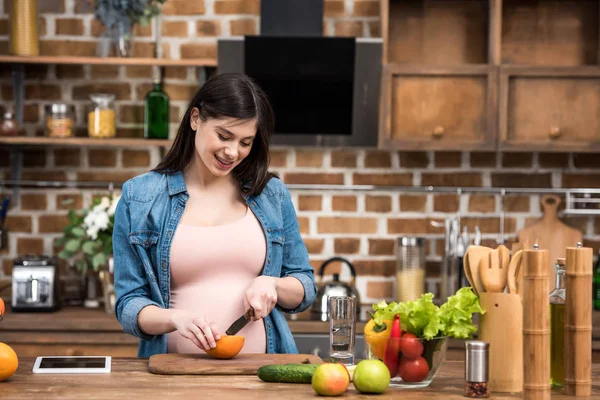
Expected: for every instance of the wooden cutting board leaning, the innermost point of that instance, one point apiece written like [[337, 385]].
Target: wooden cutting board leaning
[[242, 364]]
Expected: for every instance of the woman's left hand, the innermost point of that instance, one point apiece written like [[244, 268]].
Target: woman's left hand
[[261, 296]]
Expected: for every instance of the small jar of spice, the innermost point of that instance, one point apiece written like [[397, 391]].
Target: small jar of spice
[[60, 120], [476, 369], [101, 118]]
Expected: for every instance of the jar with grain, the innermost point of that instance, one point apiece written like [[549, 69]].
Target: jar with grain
[[101, 118], [60, 120]]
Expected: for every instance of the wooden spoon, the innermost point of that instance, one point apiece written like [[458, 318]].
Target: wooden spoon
[[514, 273], [493, 270], [475, 254]]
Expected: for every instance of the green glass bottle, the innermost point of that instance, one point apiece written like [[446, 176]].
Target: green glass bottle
[[156, 113]]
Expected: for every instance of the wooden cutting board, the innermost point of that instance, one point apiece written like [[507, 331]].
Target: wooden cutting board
[[202, 364]]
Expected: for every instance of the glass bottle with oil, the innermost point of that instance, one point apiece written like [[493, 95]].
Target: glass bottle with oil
[[557, 326]]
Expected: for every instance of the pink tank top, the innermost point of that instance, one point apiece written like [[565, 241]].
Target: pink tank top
[[211, 268]]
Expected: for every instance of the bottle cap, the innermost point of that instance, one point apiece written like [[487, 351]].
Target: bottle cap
[[476, 361]]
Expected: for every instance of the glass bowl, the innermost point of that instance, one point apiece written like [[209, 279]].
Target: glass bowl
[[420, 364]]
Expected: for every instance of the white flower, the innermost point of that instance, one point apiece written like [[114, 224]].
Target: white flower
[[113, 206], [101, 221]]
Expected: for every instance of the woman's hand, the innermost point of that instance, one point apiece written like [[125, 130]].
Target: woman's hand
[[261, 296], [202, 332]]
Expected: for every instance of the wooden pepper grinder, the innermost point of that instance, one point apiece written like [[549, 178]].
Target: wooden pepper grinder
[[578, 322], [536, 324]]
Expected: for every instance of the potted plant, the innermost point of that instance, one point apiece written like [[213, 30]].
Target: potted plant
[[119, 18], [87, 242]]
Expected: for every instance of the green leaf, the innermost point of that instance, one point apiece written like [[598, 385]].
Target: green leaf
[[89, 247], [78, 232], [456, 314], [99, 261], [65, 255], [81, 265], [60, 241], [72, 245]]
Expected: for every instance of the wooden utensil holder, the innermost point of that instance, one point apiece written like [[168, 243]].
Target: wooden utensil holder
[[502, 327]]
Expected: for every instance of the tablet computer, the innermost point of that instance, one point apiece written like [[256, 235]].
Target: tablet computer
[[72, 365]]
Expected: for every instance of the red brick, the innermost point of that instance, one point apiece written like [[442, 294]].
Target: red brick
[[31, 113], [121, 90], [102, 158], [314, 246], [143, 31], [183, 7], [33, 201], [445, 203], [36, 72], [381, 204], [18, 223], [374, 28], [135, 158], [237, 7], [488, 225], [516, 203], [198, 50], [69, 26], [459, 179], [553, 160], [278, 158], [366, 8], [69, 201], [412, 226], [69, 71], [178, 91], [522, 180], [208, 28], [143, 49], [52, 223], [175, 28], [380, 290], [586, 160], [378, 159], [7, 266], [375, 267], [483, 160], [317, 179], [67, 157], [308, 158], [381, 247], [348, 28], [4, 26], [581, 180], [39, 175], [517, 160], [117, 177], [447, 159], [242, 27], [76, 48], [42, 91], [414, 203], [346, 245], [346, 225], [387, 179], [343, 203], [482, 203], [310, 203], [343, 159], [131, 113], [30, 246], [304, 225], [413, 159], [175, 73], [34, 157], [104, 71], [334, 8]]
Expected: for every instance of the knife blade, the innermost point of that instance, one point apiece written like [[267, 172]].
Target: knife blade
[[241, 322]]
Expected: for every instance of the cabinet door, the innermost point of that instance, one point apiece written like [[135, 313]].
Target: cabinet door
[[436, 109], [550, 110]]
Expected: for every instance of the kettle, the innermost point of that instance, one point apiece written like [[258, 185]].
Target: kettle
[[319, 310]]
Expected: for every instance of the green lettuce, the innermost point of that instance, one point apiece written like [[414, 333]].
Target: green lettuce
[[426, 320]]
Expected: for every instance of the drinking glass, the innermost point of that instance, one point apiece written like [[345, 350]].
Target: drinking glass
[[342, 325]]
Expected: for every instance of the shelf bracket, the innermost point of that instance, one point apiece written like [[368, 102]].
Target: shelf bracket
[[16, 161], [18, 75]]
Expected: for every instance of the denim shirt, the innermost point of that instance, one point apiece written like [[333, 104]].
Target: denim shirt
[[146, 218]]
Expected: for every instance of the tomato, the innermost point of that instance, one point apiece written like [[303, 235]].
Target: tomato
[[413, 370], [410, 346]]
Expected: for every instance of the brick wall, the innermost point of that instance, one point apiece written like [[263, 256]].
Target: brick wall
[[361, 226]]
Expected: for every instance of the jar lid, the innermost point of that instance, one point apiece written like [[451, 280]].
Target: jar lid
[[476, 361], [58, 108], [411, 241], [102, 99]]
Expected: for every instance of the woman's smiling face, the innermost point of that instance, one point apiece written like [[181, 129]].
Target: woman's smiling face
[[222, 144]]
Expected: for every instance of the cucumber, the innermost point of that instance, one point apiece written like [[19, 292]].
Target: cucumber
[[287, 373]]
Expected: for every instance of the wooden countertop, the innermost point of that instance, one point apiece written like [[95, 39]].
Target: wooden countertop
[[130, 377]]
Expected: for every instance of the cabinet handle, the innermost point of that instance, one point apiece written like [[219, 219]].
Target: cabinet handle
[[554, 132], [438, 132]]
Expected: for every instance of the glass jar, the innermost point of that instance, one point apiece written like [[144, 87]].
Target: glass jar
[[101, 119], [60, 120], [410, 268], [9, 125]]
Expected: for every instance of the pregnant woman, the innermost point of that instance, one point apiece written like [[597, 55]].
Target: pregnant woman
[[210, 233]]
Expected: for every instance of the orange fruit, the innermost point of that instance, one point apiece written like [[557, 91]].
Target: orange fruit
[[1, 308], [227, 347], [377, 340], [8, 361]]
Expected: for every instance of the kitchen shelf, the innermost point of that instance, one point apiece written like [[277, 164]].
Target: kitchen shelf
[[160, 62], [85, 142]]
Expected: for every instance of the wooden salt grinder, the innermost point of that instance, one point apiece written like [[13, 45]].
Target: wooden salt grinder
[[578, 322], [536, 324]]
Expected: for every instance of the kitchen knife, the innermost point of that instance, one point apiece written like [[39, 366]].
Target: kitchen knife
[[240, 322]]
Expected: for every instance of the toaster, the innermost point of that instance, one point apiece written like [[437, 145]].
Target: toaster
[[35, 284]]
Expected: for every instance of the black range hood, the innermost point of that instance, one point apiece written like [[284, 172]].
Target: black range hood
[[291, 18]]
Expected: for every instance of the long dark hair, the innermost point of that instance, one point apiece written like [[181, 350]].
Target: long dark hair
[[228, 96]]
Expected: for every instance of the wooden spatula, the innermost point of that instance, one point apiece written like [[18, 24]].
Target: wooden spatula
[[475, 254], [513, 273], [493, 270]]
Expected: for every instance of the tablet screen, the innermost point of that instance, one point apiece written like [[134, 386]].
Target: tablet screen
[[79, 362]]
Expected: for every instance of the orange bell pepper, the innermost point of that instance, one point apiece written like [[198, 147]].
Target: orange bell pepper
[[377, 336]]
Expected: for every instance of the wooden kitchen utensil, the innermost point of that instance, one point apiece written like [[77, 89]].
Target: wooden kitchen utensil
[[550, 232], [515, 273], [578, 321], [502, 327], [475, 254], [493, 268], [536, 324], [202, 364]]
